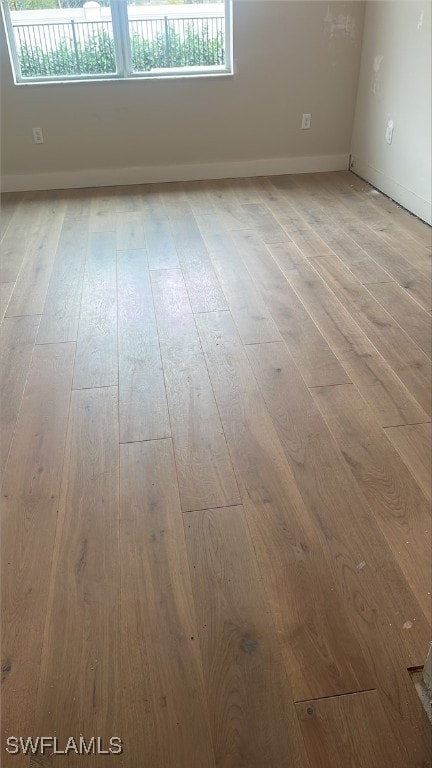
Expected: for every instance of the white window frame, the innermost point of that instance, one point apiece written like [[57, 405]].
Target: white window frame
[[120, 24]]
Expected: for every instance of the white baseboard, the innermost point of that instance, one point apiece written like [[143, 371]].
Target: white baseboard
[[106, 177], [405, 197]]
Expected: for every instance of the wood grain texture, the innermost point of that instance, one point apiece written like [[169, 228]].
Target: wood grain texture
[[20, 232], [143, 410], [164, 713], [350, 732], [252, 715], [205, 293], [220, 519], [347, 526], [306, 239], [415, 281], [410, 364], [382, 389], [398, 505], [8, 205], [130, 230], [96, 362], [393, 212], [386, 229], [78, 203], [251, 315], [414, 444], [103, 210], [297, 580], [198, 197], [410, 316], [30, 497], [307, 345], [161, 248], [5, 294], [265, 224], [303, 194], [61, 311], [28, 296], [129, 198], [79, 681], [17, 337], [206, 476]]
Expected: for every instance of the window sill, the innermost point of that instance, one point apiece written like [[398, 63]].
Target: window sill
[[141, 78]]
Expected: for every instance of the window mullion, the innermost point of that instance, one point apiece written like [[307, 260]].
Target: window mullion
[[121, 36], [228, 43], [116, 18], [11, 39]]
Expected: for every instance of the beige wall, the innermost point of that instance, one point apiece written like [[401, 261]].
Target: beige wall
[[395, 83], [290, 58]]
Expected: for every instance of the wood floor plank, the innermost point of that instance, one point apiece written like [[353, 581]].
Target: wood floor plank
[[130, 230], [198, 198], [28, 297], [243, 189], [382, 389], [302, 595], [17, 338], [79, 680], [332, 496], [103, 210], [273, 548], [205, 293], [414, 444], [251, 316], [265, 224], [161, 248], [415, 281], [410, 364], [143, 410], [227, 204], [310, 350], [164, 711], [9, 202], [5, 294], [78, 203], [350, 527], [252, 715], [305, 238], [96, 362], [59, 321], [20, 233], [407, 313], [389, 208], [351, 732], [129, 198], [306, 202], [30, 498], [415, 253], [397, 503], [206, 476]]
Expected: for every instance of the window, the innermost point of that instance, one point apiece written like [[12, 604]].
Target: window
[[111, 39]]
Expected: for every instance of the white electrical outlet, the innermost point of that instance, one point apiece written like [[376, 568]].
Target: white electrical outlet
[[38, 136], [389, 132], [306, 121]]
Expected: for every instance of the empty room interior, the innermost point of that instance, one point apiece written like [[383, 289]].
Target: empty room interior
[[215, 383]]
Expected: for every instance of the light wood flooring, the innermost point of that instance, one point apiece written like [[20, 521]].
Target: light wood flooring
[[216, 526]]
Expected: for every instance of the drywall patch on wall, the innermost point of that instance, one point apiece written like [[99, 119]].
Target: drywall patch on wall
[[420, 21], [339, 25], [376, 85]]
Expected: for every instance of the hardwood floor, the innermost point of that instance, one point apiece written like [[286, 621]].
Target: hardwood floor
[[215, 452]]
